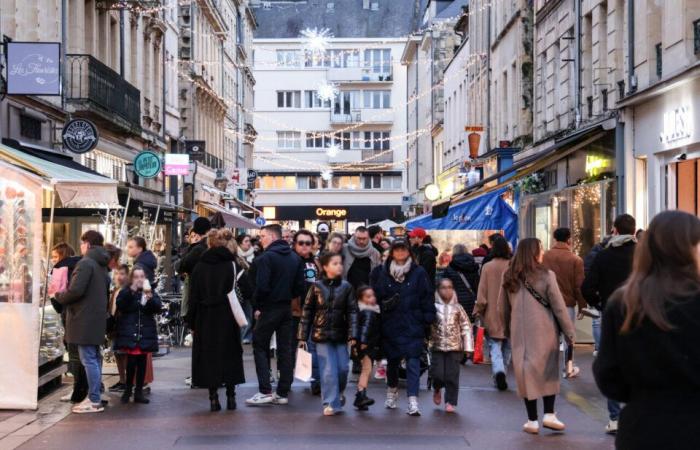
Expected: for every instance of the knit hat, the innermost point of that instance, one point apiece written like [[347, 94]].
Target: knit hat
[[201, 226]]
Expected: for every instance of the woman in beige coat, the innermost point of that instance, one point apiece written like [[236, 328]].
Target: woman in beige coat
[[489, 311], [534, 312]]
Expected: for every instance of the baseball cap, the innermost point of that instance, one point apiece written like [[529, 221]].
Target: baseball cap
[[417, 232]]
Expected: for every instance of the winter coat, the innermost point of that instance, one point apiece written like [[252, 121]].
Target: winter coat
[[369, 329], [465, 265], [86, 299], [330, 312], [186, 266], [452, 329], [149, 263], [426, 257], [610, 269], [136, 324], [489, 302], [655, 373], [217, 355], [279, 274], [357, 265], [568, 268], [405, 325], [534, 336]]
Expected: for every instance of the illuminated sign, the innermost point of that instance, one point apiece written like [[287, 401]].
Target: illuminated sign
[[678, 125], [269, 212], [595, 164], [337, 213]]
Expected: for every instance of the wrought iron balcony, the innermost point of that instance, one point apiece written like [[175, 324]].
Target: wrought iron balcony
[[93, 87]]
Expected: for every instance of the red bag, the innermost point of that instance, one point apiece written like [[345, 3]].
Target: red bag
[[479, 346]]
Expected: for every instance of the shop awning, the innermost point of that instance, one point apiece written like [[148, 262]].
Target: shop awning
[[75, 188], [231, 218]]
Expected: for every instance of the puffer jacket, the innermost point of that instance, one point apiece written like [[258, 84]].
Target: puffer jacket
[[368, 326], [451, 331], [136, 324], [330, 312]]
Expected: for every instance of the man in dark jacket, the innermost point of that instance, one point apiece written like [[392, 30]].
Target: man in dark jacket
[[142, 257], [464, 273], [359, 258], [86, 314], [376, 234], [279, 278], [609, 270], [425, 253]]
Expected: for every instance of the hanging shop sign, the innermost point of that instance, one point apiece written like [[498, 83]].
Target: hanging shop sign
[[335, 213], [237, 177], [176, 164], [196, 149], [147, 164], [252, 175], [79, 136], [33, 68]]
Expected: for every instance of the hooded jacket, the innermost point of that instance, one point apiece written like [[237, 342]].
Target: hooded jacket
[[86, 299], [330, 312], [465, 265], [369, 327], [452, 329], [149, 263], [279, 276]]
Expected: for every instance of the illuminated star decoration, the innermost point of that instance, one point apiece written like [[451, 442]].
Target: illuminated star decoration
[[327, 174], [327, 91], [316, 40], [332, 150]]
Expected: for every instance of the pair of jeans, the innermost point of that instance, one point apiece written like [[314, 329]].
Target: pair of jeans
[[444, 371], [595, 328], [247, 332], [276, 320], [91, 358], [614, 409], [500, 352], [568, 349], [412, 375], [315, 374], [333, 359]]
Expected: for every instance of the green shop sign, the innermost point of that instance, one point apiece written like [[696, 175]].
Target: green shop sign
[[147, 164]]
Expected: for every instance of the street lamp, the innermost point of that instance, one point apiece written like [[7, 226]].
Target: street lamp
[[432, 192]]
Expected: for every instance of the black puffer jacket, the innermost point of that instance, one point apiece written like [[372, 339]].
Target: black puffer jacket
[[330, 312], [369, 329], [279, 277], [610, 269], [465, 265], [136, 323], [426, 257]]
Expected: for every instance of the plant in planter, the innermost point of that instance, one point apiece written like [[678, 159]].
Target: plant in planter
[[532, 184]]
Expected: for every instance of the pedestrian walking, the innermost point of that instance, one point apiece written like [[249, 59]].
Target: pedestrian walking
[[367, 343], [137, 250], [359, 258], [463, 271], [330, 321], [649, 356], [568, 268], [609, 270], [86, 314], [217, 355], [488, 247], [246, 255], [424, 252], [376, 235], [136, 331], [451, 339], [335, 243], [279, 279], [489, 311], [406, 300], [535, 315]]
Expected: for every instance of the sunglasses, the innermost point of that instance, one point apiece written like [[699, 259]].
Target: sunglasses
[[305, 243]]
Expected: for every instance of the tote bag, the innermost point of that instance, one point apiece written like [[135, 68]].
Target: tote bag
[[236, 307], [302, 370]]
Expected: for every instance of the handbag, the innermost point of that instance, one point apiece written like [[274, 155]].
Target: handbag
[[478, 357], [302, 368], [235, 303], [544, 302]]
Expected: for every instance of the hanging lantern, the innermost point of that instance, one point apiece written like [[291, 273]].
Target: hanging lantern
[[474, 141]]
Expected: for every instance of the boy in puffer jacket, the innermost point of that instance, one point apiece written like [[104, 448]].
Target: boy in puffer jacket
[[451, 338], [367, 346]]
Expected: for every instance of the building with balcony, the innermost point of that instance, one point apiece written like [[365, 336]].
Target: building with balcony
[[339, 158]]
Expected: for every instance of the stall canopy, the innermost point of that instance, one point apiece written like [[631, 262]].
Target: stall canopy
[[386, 225], [231, 218], [75, 188], [486, 212]]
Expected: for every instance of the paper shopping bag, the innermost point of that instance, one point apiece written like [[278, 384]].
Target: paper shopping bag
[[479, 346], [302, 370]]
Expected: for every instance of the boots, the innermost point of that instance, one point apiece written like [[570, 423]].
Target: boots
[[230, 398], [214, 404], [126, 395], [139, 397], [362, 402]]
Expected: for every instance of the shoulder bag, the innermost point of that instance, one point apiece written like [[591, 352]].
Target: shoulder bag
[[542, 301]]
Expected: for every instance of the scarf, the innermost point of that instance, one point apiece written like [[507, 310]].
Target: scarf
[[247, 255], [352, 251], [398, 272], [364, 307], [359, 252], [619, 240]]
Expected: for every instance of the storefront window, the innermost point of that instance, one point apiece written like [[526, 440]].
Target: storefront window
[[586, 220], [610, 190], [543, 215]]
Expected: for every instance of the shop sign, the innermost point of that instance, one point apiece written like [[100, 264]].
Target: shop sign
[[33, 68], [177, 164], [195, 149], [236, 177], [252, 176], [595, 164], [677, 125], [79, 136], [338, 213], [147, 164]]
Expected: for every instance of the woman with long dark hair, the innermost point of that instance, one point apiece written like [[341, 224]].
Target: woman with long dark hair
[[535, 314], [649, 357]]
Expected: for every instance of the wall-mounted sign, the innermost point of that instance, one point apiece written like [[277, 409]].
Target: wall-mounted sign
[[597, 164], [237, 177], [177, 164], [678, 125], [195, 149], [147, 164], [80, 136], [252, 175], [33, 68], [337, 213], [260, 221]]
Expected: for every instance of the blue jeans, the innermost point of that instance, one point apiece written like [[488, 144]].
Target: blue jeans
[[595, 328], [500, 352], [91, 358], [311, 345], [333, 359], [614, 409], [412, 375]]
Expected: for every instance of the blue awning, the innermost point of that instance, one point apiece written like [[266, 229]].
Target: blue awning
[[486, 212]]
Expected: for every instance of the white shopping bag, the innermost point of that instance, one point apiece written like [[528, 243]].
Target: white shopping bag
[[236, 307], [302, 370]]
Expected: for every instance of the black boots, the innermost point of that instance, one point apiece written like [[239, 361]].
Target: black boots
[[230, 398], [126, 395], [214, 404], [139, 397], [362, 402]]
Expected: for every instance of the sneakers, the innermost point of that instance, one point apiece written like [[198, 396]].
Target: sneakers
[[392, 396], [260, 399], [66, 398], [279, 400], [590, 312], [87, 407], [611, 427], [571, 370], [501, 383], [437, 397], [449, 408], [531, 427], [117, 387], [328, 411], [413, 409], [550, 421]]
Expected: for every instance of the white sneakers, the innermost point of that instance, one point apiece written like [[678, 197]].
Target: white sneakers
[[279, 400], [392, 397], [87, 407], [66, 398], [611, 427], [413, 409], [532, 427], [549, 421], [266, 399]]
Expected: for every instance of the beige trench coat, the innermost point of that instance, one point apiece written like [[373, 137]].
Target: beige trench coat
[[487, 305], [533, 336]]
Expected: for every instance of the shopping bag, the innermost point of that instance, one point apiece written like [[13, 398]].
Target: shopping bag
[[302, 370], [479, 346], [59, 281], [235, 303]]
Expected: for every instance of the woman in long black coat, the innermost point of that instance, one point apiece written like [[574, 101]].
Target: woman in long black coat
[[217, 355]]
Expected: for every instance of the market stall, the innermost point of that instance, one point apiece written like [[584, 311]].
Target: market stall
[[30, 331], [471, 222]]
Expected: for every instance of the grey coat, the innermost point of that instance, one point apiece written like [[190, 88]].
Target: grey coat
[[86, 299]]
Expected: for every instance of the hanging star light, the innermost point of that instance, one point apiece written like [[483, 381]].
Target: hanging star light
[[332, 150], [327, 174], [327, 91], [316, 40]]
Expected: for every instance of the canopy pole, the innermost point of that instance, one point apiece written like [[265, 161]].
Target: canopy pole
[[49, 245], [153, 230], [121, 227]]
